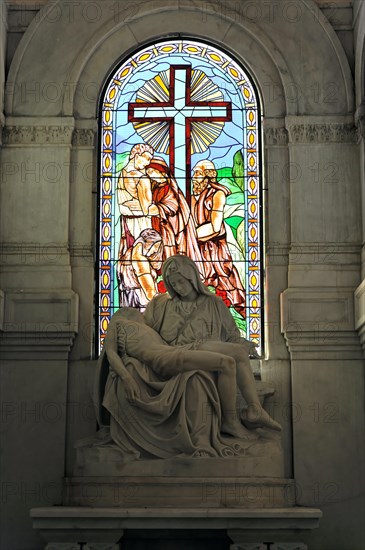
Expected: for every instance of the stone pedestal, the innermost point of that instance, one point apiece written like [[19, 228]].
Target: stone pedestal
[[263, 459], [65, 528], [184, 492]]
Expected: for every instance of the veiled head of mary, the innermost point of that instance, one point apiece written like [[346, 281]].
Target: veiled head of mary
[[186, 268]]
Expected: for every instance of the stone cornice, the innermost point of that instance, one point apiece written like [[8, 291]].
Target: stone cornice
[[84, 137], [38, 135], [39, 324], [276, 136], [34, 254], [38, 130], [47, 131], [360, 120], [331, 132], [324, 253], [2, 124], [317, 254], [318, 323]]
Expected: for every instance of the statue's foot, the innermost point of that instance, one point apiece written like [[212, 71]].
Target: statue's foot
[[201, 454], [254, 419], [235, 429]]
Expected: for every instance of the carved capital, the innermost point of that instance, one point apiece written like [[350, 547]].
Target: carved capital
[[317, 254], [332, 132], [2, 304], [82, 251], [360, 120], [2, 124], [84, 137], [37, 135], [63, 546], [248, 546], [101, 546], [39, 325], [276, 136], [318, 323], [289, 546]]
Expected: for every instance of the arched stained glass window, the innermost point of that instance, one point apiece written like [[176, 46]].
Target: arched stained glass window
[[180, 173]]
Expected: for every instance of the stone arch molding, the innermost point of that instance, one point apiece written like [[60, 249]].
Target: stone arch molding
[[75, 49]]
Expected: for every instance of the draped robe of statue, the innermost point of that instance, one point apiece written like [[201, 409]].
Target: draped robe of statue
[[189, 324], [176, 416]]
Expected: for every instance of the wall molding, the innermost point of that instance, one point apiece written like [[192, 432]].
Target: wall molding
[[39, 325], [319, 323], [38, 130], [84, 137], [276, 136], [333, 132]]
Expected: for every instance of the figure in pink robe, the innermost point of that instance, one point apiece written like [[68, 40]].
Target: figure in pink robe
[[174, 221], [207, 205]]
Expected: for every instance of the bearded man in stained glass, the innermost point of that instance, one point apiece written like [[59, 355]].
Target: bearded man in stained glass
[[207, 206]]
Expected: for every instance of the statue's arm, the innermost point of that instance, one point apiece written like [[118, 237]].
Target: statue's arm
[[117, 365], [231, 332]]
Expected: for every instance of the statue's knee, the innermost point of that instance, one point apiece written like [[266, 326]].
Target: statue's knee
[[229, 364]]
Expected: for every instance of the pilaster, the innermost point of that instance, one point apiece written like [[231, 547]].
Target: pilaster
[[40, 306], [360, 291], [317, 309], [83, 193], [318, 317], [40, 310], [275, 370]]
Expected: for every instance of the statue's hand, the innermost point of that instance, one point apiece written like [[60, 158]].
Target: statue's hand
[[131, 389]]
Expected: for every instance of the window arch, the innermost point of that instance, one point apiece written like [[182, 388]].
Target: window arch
[[180, 172]]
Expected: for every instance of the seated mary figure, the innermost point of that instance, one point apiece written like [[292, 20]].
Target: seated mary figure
[[173, 394]]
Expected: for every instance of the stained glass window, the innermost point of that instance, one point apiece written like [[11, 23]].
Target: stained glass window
[[180, 173]]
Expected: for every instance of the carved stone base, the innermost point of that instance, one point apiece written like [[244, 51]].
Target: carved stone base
[[101, 546], [103, 528], [289, 546], [262, 459], [269, 546], [249, 546], [182, 492], [244, 539], [87, 546]]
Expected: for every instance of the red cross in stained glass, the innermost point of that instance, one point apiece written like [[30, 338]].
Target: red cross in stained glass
[[180, 112]]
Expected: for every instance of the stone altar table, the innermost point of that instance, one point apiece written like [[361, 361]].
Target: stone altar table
[[74, 528]]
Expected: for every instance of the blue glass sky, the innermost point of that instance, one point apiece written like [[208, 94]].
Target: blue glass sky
[[231, 138]]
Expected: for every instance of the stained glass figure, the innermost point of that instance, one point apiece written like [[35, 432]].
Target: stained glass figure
[[180, 174]]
